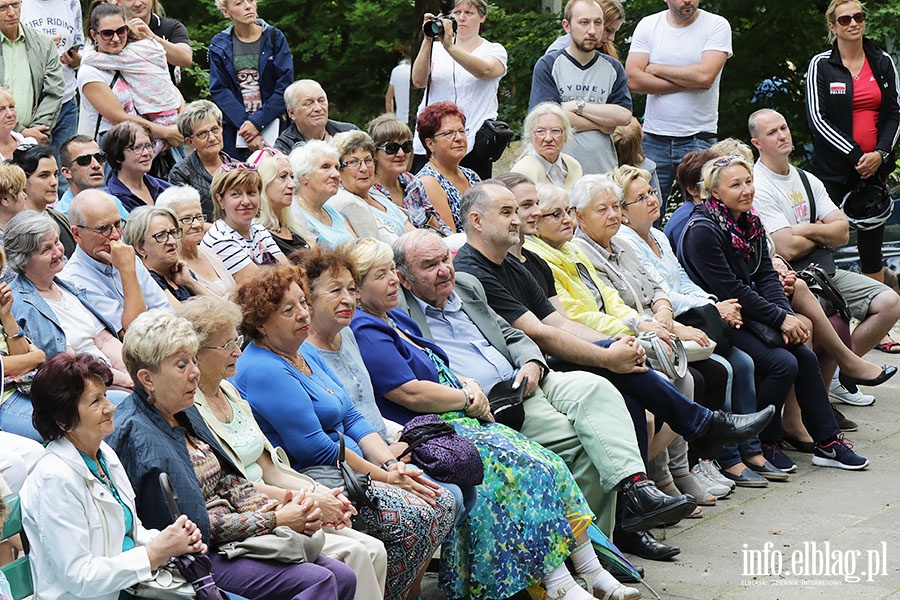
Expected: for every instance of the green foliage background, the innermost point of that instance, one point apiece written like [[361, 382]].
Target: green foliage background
[[350, 46]]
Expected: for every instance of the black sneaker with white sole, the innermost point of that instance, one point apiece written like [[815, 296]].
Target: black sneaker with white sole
[[839, 453]]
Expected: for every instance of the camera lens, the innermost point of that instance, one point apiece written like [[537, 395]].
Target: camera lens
[[433, 28]]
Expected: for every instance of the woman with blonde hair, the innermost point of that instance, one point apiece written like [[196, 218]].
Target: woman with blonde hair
[[12, 193], [9, 138], [628, 140], [275, 201]]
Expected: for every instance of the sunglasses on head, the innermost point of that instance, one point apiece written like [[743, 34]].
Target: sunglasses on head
[[844, 20], [726, 161], [86, 159], [235, 166], [264, 151], [107, 34], [392, 148]]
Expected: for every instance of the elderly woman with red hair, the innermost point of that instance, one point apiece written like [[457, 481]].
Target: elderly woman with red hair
[[442, 130]]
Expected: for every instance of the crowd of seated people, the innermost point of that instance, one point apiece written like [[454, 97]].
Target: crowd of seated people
[[288, 292]]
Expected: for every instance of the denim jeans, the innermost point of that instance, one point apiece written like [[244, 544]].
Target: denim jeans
[[66, 126], [15, 416], [740, 399], [667, 152]]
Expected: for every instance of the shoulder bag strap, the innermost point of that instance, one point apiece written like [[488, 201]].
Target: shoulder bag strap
[[809, 195], [112, 83]]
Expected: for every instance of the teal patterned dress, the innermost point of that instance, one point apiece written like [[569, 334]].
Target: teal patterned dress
[[521, 527]]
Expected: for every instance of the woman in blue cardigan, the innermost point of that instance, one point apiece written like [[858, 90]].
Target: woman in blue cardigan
[[724, 250]]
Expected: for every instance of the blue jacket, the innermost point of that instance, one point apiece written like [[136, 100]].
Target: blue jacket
[[276, 73], [37, 319], [147, 446]]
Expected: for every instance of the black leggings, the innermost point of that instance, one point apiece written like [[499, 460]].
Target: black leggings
[[868, 243]]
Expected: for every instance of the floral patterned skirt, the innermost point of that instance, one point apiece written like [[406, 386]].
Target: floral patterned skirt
[[519, 529]]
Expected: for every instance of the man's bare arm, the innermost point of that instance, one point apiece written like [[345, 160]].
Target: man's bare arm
[[699, 76]]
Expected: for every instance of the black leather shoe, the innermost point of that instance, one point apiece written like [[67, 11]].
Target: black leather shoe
[[617, 572], [729, 428], [805, 447], [647, 507], [643, 544], [887, 371]]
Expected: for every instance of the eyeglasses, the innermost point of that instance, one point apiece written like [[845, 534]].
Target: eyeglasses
[[238, 166], [392, 148], [356, 163], [844, 20], [229, 347], [265, 151], [726, 161], [651, 193], [106, 230], [141, 148], [555, 132], [163, 236], [203, 135], [4, 8], [451, 134], [107, 34], [188, 221], [86, 159], [558, 214]]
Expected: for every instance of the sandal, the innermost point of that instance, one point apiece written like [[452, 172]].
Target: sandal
[[889, 347]]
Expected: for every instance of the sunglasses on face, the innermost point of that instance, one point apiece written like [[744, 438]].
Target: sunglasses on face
[[86, 159], [844, 20], [392, 148], [108, 34]]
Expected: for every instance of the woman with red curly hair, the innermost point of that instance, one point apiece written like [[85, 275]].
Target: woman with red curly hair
[[296, 399], [442, 130]]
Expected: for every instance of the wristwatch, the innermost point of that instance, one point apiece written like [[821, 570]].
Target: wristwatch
[[579, 103], [885, 155]]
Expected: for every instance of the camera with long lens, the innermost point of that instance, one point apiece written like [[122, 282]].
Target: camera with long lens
[[434, 27]]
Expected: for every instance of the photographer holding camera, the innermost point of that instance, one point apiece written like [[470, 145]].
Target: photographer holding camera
[[465, 70]]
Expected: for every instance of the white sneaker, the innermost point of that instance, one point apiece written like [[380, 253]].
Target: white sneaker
[[839, 392], [709, 478]]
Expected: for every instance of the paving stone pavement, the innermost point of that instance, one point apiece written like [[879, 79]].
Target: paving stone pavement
[[850, 518]]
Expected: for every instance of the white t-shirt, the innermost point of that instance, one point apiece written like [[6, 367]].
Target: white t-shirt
[[400, 80], [686, 113], [87, 119], [57, 17], [781, 200], [79, 324], [476, 98], [235, 250]]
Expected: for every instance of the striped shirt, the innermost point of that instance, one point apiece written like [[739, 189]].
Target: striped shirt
[[236, 251]]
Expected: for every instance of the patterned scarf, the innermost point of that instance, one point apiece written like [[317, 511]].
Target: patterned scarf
[[744, 231]]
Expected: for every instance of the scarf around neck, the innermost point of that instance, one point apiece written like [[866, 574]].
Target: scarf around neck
[[743, 231]]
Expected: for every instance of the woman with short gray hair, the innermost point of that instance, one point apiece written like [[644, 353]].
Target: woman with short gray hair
[[546, 131], [201, 125], [154, 233], [202, 261], [317, 173], [54, 314]]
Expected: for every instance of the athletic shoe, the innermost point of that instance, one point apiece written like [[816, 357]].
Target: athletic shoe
[[839, 453], [839, 392], [775, 455], [709, 478], [844, 424]]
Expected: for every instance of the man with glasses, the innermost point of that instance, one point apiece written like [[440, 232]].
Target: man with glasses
[[30, 68], [589, 85], [676, 58], [115, 281], [81, 163], [307, 106]]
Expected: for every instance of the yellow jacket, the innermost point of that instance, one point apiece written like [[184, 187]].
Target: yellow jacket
[[578, 301]]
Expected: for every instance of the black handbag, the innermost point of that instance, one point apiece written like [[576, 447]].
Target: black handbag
[[356, 485], [507, 404], [707, 319], [492, 139], [770, 335], [823, 288]]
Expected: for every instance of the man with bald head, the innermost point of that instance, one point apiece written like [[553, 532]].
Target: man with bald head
[[307, 106], [116, 282]]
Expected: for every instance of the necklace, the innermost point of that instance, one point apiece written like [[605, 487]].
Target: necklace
[[220, 405]]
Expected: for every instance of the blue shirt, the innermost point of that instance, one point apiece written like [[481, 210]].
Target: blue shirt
[[469, 352], [102, 285], [127, 198], [295, 410], [62, 205]]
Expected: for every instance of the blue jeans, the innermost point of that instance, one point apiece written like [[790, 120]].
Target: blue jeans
[[15, 416], [667, 152], [740, 398], [66, 126]]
